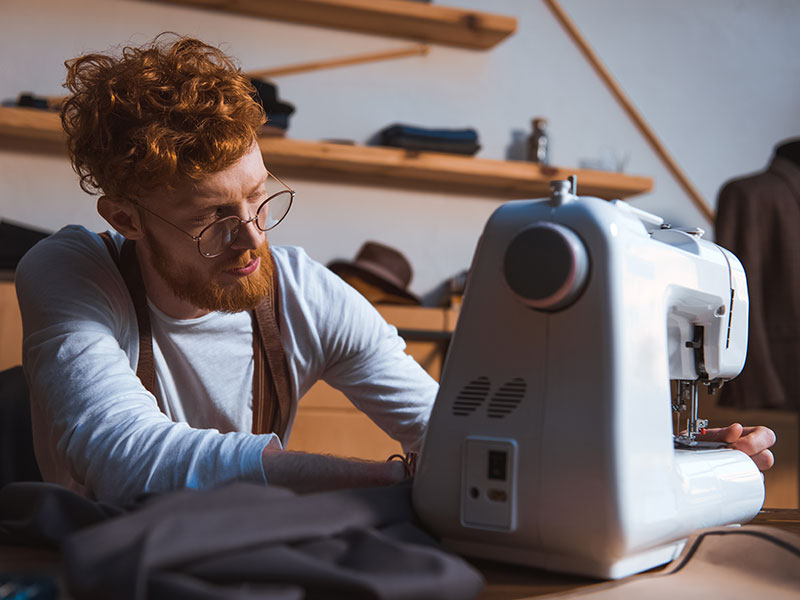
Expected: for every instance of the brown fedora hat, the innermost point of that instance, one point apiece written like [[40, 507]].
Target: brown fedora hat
[[381, 266]]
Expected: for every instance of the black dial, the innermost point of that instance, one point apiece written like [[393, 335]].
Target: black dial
[[546, 266]]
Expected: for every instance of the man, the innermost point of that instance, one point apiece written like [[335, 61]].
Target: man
[[166, 134]]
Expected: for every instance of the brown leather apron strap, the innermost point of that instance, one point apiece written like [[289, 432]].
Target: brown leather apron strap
[[128, 267], [111, 246], [261, 393], [269, 415]]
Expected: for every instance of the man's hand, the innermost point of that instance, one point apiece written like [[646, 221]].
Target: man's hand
[[753, 441]]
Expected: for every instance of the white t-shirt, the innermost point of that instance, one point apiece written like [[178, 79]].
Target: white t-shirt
[[97, 430]]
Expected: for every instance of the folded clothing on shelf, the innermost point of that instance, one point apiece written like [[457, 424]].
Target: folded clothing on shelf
[[456, 141], [30, 100]]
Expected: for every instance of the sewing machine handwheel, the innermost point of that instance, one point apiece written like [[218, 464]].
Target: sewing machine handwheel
[[546, 266]]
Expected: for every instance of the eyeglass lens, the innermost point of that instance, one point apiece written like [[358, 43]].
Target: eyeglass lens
[[274, 210], [219, 236]]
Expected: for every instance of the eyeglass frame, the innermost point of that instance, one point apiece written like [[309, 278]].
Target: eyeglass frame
[[242, 222]]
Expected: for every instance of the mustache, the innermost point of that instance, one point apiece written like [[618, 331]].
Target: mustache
[[241, 262], [246, 257]]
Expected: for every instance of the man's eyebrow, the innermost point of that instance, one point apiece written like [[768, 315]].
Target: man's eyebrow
[[212, 194], [257, 187]]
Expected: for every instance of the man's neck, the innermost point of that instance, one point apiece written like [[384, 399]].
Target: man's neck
[[160, 294]]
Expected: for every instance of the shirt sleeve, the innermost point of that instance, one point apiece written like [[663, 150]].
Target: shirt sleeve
[[96, 428], [360, 354]]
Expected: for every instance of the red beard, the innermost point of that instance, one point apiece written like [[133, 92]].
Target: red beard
[[204, 290]]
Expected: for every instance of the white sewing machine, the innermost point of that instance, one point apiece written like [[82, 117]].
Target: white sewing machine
[[551, 440]]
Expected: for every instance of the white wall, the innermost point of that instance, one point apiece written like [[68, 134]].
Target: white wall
[[718, 80]]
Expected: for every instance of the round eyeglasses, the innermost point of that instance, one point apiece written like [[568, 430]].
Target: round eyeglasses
[[220, 235]]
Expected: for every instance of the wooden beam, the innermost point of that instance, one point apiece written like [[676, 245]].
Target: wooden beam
[[345, 61], [633, 113]]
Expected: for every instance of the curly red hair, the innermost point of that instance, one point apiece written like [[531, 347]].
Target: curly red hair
[[156, 116]]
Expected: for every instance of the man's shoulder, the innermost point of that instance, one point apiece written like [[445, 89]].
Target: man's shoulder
[[72, 252], [287, 253], [296, 269], [311, 287], [67, 242], [291, 256], [294, 265]]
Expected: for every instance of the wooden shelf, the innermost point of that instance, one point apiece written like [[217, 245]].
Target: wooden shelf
[[438, 171], [39, 130], [31, 124], [394, 18]]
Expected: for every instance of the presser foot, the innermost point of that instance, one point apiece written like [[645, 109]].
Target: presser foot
[[685, 442]]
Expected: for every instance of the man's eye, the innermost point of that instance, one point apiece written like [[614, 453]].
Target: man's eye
[[210, 217]]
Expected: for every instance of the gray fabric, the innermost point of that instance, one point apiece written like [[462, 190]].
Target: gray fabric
[[246, 541], [43, 515]]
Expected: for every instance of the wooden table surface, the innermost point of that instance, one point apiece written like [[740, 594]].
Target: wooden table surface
[[504, 582], [510, 582]]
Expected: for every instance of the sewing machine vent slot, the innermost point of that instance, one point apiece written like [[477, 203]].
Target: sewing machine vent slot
[[471, 396], [507, 398]]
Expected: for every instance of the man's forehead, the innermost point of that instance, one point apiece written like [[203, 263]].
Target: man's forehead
[[239, 180], [222, 185]]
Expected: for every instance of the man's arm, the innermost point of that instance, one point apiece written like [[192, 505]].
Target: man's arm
[[95, 426], [303, 472], [331, 332]]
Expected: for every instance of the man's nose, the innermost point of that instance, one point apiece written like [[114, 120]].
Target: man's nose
[[250, 237]]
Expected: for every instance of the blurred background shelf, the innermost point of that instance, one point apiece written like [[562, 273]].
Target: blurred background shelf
[[37, 130], [393, 18]]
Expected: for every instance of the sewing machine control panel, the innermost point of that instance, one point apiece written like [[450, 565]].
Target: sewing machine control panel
[[488, 483]]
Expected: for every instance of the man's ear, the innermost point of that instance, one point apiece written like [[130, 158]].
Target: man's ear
[[122, 216]]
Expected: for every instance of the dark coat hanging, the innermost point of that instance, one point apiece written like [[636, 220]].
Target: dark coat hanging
[[758, 219]]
